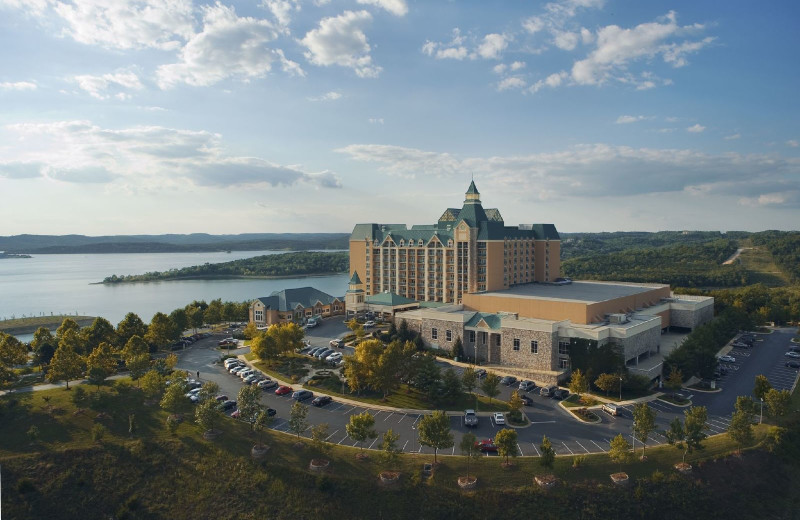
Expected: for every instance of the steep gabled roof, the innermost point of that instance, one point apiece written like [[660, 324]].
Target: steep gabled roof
[[290, 299], [484, 320]]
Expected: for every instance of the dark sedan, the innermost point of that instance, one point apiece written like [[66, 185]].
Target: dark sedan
[[321, 400]]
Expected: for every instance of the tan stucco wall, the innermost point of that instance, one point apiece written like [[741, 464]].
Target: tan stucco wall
[[494, 266], [358, 259], [555, 259], [527, 308], [625, 304]]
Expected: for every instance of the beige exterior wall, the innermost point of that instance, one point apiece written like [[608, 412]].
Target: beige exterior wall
[[555, 259], [494, 266], [358, 258], [528, 308], [624, 304]]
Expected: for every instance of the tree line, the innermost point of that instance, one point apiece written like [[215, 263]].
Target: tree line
[[286, 264]]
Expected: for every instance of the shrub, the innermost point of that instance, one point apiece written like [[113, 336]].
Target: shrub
[[578, 460], [98, 432], [25, 485], [79, 396]]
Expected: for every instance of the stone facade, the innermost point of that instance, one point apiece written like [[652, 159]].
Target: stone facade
[[546, 356], [689, 318]]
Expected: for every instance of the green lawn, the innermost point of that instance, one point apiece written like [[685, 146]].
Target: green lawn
[[574, 401], [762, 267]]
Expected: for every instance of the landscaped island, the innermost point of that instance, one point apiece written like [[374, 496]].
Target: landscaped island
[[30, 324], [267, 266]]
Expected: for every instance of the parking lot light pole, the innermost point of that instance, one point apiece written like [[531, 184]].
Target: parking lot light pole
[[761, 417], [620, 388]]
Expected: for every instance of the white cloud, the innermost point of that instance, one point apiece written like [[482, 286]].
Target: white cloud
[[551, 81], [375, 120], [492, 46], [328, 96], [732, 137], [340, 40], [602, 170], [453, 50], [618, 47], [794, 143], [143, 157], [513, 82], [621, 120], [517, 65], [696, 128], [396, 7], [565, 40], [282, 10], [18, 85], [127, 24], [98, 86], [228, 46], [500, 68]]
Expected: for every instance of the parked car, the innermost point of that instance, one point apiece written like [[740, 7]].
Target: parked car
[[194, 385], [470, 419], [525, 386], [729, 359], [271, 412], [337, 343], [480, 373], [221, 398], [560, 394], [793, 364], [192, 392], [315, 350], [236, 369], [486, 445], [499, 418], [793, 354], [266, 384], [548, 391], [333, 358], [283, 390], [508, 380], [302, 395], [739, 344], [252, 379], [321, 400], [236, 414], [610, 409], [369, 324], [230, 363], [322, 354], [526, 400], [227, 405]]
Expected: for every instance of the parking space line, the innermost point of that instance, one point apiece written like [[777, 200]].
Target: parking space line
[[520, 450], [565, 445], [404, 446], [355, 444], [403, 416], [343, 438], [582, 446], [413, 425], [339, 405], [331, 435], [598, 446], [535, 449], [346, 411], [373, 442], [391, 414]]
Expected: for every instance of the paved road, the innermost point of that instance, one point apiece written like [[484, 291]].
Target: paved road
[[568, 436]]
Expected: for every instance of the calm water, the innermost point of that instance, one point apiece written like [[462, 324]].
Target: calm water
[[61, 284]]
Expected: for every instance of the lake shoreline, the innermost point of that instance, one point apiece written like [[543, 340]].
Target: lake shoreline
[[221, 277], [48, 322]]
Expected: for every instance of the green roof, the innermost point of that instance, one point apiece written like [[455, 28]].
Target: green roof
[[472, 190], [492, 320], [289, 299], [355, 280], [389, 299]]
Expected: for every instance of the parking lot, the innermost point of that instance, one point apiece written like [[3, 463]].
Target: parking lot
[[568, 436]]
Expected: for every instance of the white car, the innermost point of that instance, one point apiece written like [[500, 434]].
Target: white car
[[793, 354], [499, 418], [369, 324], [728, 359]]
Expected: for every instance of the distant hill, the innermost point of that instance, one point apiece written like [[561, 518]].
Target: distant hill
[[171, 243]]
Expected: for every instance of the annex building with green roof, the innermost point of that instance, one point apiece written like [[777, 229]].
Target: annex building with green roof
[[295, 305]]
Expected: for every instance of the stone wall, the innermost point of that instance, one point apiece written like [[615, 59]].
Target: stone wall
[[690, 319], [646, 341], [544, 359]]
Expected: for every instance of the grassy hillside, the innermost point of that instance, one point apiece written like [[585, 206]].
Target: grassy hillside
[[153, 474]]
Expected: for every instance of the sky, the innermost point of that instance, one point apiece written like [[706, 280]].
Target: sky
[[181, 116]]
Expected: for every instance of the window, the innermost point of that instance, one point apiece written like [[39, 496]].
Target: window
[[448, 335], [472, 336], [516, 343], [534, 347], [563, 347], [497, 340], [563, 362], [259, 315], [434, 333]]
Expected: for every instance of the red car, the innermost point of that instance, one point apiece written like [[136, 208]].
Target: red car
[[486, 445], [283, 390]]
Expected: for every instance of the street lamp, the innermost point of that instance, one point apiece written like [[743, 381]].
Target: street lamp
[[620, 388], [761, 417]]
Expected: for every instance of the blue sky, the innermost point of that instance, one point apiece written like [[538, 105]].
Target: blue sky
[[145, 116]]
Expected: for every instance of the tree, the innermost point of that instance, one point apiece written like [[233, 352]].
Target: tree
[[740, 429], [297, 418], [434, 432], [195, 315], [644, 423], [761, 387], [174, 398], [746, 405], [249, 403], [68, 325], [506, 442], [138, 365], [262, 422], [135, 346], [152, 384], [688, 435], [101, 364], [548, 454], [468, 449], [44, 346], [206, 414], [458, 349], [606, 382], [675, 380], [161, 330], [620, 450], [130, 326], [469, 380], [319, 433], [360, 428], [12, 352], [66, 363], [386, 373], [777, 402], [391, 452], [490, 385], [578, 384], [263, 346], [179, 319], [451, 385], [250, 331], [100, 331], [208, 391], [213, 313], [515, 403]]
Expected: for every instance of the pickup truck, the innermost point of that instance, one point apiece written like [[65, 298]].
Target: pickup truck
[[470, 419]]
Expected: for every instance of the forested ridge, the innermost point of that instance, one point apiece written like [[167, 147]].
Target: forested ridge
[[286, 264]]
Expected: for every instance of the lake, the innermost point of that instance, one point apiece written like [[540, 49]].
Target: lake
[[62, 284]]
